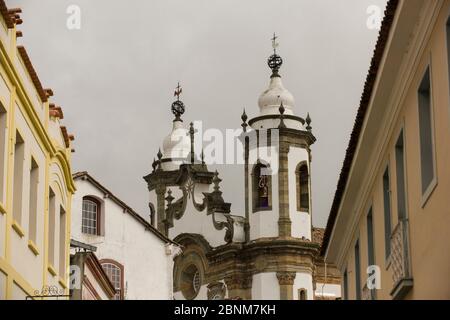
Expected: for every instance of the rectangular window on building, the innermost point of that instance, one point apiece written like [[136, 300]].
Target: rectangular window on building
[[345, 280], [51, 228], [357, 272], [33, 214], [370, 245], [62, 243], [400, 168], [370, 239], [19, 154], [426, 134], [3, 152], [387, 213]]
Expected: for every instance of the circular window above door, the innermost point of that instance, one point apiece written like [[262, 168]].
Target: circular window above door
[[191, 282]]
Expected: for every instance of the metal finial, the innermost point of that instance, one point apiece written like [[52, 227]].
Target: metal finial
[[282, 110], [244, 118], [308, 122], [178, 91], [274, 43], [178, 107], [275, 61]]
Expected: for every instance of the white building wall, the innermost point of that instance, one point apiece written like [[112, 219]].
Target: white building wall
[[301, 221], [147, 268], [303, 280], [265, 286]]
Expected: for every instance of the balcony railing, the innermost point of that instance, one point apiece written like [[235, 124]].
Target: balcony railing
[[400, 263]]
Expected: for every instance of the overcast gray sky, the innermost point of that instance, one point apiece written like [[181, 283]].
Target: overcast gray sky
[[115, 77]]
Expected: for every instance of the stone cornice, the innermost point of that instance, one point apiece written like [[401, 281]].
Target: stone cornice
[[198, 172]]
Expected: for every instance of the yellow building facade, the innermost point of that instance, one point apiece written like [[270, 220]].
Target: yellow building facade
[[389, 226], [36, 184]]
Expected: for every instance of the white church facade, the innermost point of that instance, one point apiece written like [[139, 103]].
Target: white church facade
[[269, 251]]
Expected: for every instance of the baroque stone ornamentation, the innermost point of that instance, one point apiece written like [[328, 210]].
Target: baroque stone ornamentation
[[286, 278], [235, 282], [216, 291]]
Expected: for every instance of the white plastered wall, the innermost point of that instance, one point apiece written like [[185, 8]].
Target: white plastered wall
[[303, 280], [301, 221], [265, 286], [127, 241], [264, 223]]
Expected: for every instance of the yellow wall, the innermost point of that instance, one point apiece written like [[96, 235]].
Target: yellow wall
[[429, 225], [24, 266]]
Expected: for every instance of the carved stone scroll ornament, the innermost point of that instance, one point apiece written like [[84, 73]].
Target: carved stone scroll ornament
[[229, 225], [213, 202]]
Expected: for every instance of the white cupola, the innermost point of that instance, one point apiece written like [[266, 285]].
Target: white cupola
[[176, 145], [276, 103], [269, 101]]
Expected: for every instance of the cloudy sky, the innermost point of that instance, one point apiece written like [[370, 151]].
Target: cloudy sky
[[115, 77]]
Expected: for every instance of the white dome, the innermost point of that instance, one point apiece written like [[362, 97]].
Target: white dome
[[177, 144], [269, 101]]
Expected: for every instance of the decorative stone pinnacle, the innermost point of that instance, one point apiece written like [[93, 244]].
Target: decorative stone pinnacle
[[282, 110], [202, 156], [159, 155], [244, 118], [308, 122], [192, 132], [154, 164], [169, 198]]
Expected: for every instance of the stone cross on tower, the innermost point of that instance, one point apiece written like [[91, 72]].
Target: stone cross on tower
[[274, 43]]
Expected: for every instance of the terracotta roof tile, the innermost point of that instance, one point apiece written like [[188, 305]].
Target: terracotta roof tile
[[43, 94]]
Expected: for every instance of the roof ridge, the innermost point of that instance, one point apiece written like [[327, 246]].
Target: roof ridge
[[372, 74]]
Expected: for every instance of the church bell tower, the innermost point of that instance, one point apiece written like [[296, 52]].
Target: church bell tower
[[278, 164], [277, 179]]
